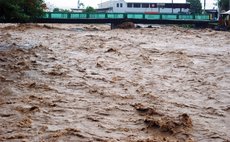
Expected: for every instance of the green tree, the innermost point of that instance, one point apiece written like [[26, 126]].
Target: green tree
[[89, 9], [223, 5], [10, 9], [56, 10], [195, 6], [21, 9]]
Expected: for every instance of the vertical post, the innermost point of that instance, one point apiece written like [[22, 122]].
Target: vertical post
[[125, 16], [204, 5], [101, 4], [229, 5], [114, 25], [172, 6], [106, 15], [78, 4], [50, 15]]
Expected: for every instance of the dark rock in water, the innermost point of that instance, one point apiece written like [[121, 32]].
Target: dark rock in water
[[150, 26], [126, 25], [111, 50], [138, 26], [47, 26]]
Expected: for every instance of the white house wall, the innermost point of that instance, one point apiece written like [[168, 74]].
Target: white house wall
[[119, 9], [143, 10], [125, 9]]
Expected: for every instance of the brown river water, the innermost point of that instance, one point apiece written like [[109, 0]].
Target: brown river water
[[89, 83]]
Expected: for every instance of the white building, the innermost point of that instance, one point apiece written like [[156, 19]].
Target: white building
[[122, 6]]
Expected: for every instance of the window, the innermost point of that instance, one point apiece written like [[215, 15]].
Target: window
[[153, 5], [121, 5], [129, 5], [168, 5], [117, 4], [136, 5], [145, 5]]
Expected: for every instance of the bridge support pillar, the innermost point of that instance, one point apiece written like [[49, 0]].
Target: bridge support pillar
[[114, 26], [201, 25]]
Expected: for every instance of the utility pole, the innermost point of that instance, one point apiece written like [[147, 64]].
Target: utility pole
[[229, 5], [204, 4], [78, 4]]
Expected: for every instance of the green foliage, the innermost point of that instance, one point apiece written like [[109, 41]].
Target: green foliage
[[21, 9], [56, 10], [89, 9], [195, 6], [223, 5]]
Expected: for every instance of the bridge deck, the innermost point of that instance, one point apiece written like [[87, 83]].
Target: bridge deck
[[137, 21], [116, 18]]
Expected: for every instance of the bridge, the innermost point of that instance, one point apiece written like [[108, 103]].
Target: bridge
[[118, 18]]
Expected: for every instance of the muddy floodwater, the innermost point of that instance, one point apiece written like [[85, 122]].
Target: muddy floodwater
[[89, 83]]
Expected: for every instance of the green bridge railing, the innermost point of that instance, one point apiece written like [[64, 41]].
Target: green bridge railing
[[60, 15]]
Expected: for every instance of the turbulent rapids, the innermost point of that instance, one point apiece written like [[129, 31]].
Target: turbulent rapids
[[90, 83]]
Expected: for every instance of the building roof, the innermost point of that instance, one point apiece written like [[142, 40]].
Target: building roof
[[156, 1]]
